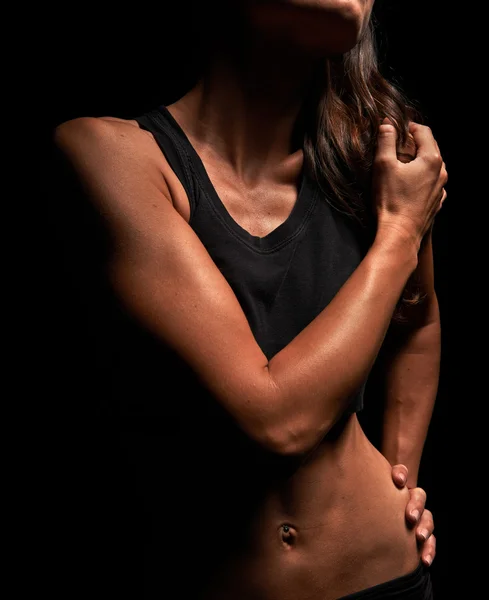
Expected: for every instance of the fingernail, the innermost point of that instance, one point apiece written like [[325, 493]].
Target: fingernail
[[423, 533], [415, 514], [402, 478], [428, 560]]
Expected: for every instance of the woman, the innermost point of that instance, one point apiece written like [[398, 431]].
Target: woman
[[265, 232]]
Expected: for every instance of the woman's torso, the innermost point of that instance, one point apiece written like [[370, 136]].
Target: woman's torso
[[345, 526]]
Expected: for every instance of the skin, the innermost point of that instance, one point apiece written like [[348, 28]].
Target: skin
[[414, 350], [344, 509]]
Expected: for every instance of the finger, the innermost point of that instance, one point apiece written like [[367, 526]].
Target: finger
[[436, 144], [425, 142], [386, 142], [442, 199], [428, 551], [444, 166], [407, 152], [416, 504], [400, 475], [444, 171], [426, 526]]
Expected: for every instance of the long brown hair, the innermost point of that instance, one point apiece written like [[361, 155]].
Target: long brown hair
[[347, 102]]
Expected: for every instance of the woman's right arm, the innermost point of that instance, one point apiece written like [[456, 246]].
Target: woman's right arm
[[163, 274]]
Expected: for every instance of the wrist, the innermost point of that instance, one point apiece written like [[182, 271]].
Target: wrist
[[394, 246], [399, 235]]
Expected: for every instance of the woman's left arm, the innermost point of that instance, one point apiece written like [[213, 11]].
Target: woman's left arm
[[411, 367]]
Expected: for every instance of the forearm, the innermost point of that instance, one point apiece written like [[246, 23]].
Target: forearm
[[317, 372], [412, 366]]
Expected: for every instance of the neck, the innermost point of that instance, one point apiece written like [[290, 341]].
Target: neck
[[244, 109]]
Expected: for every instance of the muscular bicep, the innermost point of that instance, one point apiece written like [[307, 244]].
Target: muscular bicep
[[167, 279], [162, 273]]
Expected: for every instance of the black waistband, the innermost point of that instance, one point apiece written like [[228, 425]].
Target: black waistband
[[412, 586]]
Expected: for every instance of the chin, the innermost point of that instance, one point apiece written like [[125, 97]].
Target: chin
[[322, 42], [321, 27]]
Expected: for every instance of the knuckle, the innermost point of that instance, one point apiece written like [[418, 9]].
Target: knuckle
[[420, 495], [435, 158], [428, 525], [432, 156], [427, 514], [386, 128], [425, 129], [383, 163]]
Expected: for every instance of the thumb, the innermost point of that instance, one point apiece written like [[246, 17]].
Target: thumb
[[386, 141]]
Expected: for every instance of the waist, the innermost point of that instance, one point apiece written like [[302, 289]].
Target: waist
[[338, 487], [333, 525]]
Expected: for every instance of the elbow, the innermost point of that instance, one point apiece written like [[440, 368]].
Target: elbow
[[282, 427], [279, 422]]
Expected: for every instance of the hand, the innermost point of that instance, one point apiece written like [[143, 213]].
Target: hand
[[417, 515], [408, 193]]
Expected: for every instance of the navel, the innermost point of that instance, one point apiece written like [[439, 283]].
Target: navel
[[287, 534]]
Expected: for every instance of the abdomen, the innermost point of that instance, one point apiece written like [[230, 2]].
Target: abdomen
[[336, 526]]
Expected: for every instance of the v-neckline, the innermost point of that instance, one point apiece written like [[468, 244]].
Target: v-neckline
[[281, 234]]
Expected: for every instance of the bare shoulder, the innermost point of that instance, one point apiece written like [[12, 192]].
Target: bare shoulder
[[108, 152], [122, 136], [122, 174], [112, 156]]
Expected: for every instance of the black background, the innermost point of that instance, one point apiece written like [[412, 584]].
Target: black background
[[122, 64]]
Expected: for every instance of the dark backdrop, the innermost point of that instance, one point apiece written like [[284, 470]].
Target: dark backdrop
[[119, 64]]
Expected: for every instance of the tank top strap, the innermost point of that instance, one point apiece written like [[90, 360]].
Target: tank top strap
[[172, 148]]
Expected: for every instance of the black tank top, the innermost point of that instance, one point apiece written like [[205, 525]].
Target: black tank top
[[284, 279]]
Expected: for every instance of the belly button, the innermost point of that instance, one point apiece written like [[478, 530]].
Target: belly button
[[287, 534]]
